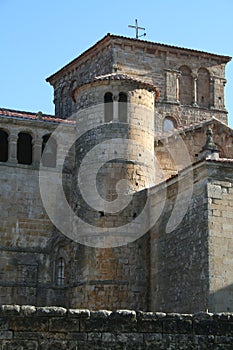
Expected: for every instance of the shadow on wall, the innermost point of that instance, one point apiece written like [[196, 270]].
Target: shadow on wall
[[221, 300]]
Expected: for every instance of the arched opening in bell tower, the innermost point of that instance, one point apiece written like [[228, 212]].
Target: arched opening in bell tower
[[108, 107], [122, 108]]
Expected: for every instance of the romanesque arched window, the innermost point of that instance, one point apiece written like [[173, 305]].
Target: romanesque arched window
[[185, 86], [49, 151], [169, 124], [61, 272], [203, 88], [3, 146], [108, 107], [122, 107], [24, 148]]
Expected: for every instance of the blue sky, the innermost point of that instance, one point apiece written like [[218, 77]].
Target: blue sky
[[39, 37]]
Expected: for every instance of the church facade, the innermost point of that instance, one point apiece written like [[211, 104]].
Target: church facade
[[158, 114]]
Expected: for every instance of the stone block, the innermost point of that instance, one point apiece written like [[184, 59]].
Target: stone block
[[64, 325], [180, 325], [13, 310], [3, 323], [129, 338], [149, 322], [29, 324], [206, 327], [50, 311], [28, 310], [79, 313], [214, 191], [94, 325], [226, 184], [27, 335], [6, 335], [121, 320], [79, 337], [58, 345], [179, 341], [20, 345]]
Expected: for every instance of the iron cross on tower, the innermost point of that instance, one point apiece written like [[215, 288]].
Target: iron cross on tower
[[137, 29]]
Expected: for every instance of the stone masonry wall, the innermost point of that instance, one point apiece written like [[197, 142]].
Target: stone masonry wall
[[192, 258], [184, 115], [26, 232], [52, 328], [179, 252], [194, 138], [86, 70], [220, 201]]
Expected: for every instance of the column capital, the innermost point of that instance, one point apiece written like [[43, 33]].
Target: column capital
[[194, 76], [13, 137], [37, 141]]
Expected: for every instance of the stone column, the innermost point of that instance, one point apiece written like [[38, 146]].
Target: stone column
[[194, 90], [12, 141], [36, 151], [178, 87], [115, 107]]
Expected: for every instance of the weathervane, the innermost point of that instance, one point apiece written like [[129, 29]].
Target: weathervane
[[137, 29]]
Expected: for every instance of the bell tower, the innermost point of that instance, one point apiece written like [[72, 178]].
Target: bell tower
[[114, 147]]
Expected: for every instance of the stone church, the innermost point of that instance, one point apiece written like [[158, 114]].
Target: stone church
[[165, 105]]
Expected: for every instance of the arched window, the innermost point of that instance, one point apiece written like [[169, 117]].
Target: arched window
[[61, 272], [203, 88], [49, 151], [186, 86], [169, 124], [24, 148], [108, 107], [122, 107], [3, 146]]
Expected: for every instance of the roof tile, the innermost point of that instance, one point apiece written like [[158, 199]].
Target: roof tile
[[32, 116]]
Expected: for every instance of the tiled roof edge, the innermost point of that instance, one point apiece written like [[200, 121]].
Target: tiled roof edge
[[6, 112]]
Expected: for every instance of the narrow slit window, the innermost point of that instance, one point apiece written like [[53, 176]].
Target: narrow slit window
[[61, 272]]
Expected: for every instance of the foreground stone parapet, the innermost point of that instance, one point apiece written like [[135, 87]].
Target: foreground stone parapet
[[29, 327]]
